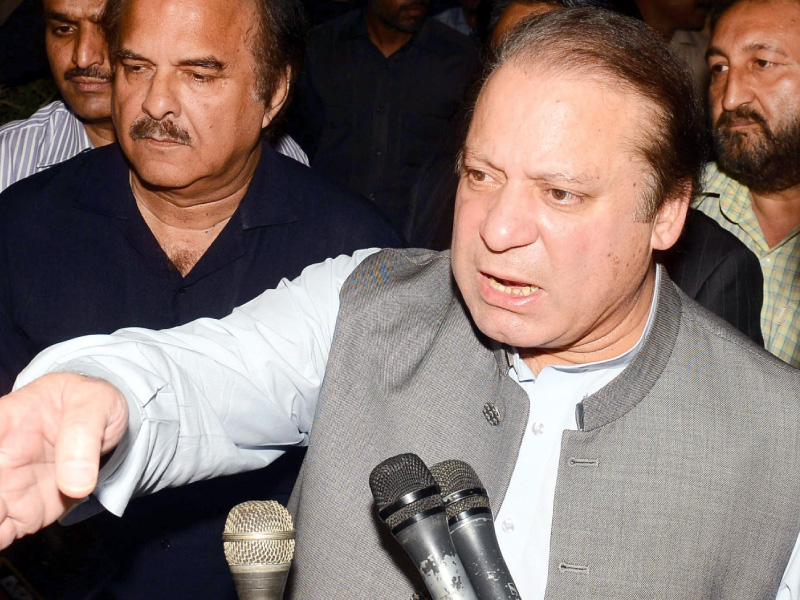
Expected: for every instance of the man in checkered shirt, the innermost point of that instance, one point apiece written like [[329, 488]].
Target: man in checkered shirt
[[753, 190]]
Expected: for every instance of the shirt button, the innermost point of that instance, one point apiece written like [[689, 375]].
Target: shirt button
[[378, 153], [508, 526], [537, 428], [372, 197]]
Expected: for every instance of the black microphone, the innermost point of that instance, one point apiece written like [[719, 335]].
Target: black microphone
[[259, 546], [472, 530], [409, 502]]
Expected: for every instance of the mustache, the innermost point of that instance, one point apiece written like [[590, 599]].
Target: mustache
[[147, 127], [92, 72], [742, 112]]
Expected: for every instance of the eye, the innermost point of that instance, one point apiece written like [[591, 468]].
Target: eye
[[476, 175], [62, 30], [563, 196], [718, 68], [762, 64]]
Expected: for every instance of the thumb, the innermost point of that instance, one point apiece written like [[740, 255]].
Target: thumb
[[92, 411]]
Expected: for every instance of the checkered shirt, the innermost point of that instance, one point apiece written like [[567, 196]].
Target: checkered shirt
[[728, 203]]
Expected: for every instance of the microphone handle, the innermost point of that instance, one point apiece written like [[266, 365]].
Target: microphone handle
[[475, 541], [428, 544], [260, 582]]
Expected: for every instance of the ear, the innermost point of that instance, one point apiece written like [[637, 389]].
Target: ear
[[278, 98], [670, 218]]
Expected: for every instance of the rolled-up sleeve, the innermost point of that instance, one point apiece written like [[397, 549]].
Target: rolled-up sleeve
[[212, 397]]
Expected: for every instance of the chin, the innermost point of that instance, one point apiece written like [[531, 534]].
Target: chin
[[163, 176]]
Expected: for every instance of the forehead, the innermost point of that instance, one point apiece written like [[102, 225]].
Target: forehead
[[74, 9], [186, 29], [748, 26], [541, 122]]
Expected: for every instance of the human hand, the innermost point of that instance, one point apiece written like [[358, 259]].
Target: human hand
[[52, 434]]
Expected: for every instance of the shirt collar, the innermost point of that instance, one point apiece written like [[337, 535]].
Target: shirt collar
[[735, 203], [72, 138], [357, 29], [105, 188]]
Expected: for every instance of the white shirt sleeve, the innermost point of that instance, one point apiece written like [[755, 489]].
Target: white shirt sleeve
[[789, 589], [212, 397]]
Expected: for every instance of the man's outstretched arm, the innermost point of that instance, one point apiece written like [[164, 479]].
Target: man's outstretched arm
[[198, 401]]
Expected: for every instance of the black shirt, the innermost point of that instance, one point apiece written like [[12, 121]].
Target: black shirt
[[370, 121], [76, 257]]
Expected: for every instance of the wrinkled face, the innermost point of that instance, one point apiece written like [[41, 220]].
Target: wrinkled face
[[404, 15], [76, 49], [185, 106], [754, 58], [547, 251]]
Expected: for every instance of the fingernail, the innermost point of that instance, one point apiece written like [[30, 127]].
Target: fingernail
[[77, 478]]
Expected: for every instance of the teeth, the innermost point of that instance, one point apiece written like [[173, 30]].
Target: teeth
[[516, 290]]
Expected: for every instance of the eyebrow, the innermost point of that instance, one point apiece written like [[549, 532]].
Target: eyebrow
[[204, 62], [553, 176], [125, 54], [715, 51], [65, 18]]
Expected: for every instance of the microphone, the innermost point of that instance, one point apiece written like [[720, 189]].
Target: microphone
[[472, 530], [259, 545], [409, 502]]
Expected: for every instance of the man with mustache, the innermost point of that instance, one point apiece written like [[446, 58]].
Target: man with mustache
[[753, 190], [78, 57], [378, 89], [189, 215]]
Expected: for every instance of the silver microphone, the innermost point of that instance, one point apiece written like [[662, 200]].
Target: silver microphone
[[409, 503], [259, 546], [472, 530]]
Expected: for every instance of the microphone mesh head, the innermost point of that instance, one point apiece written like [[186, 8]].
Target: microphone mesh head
[[261, 519], [400, 475], [397, 476], [455, 476]]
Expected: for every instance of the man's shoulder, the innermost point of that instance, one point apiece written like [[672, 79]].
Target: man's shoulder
[[49, 136], [704, 239], [335, 29], [48, 116], [332, 206], [417, 279], [723, 356], [448, 37], [59, 184]]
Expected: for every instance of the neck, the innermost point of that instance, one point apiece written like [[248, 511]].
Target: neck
[[101, 133], [387, 39], [186, 222], [777, 213], [615, 341]]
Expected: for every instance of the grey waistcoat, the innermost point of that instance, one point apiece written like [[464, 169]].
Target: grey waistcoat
[[683, 482]]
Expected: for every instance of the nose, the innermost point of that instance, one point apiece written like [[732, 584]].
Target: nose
[[511, 218], [737, 90], [161, 101], [90, 48]]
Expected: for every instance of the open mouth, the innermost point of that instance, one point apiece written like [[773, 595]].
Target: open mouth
[[514, 288]]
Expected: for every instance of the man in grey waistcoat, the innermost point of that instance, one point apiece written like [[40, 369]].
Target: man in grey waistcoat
[[632, 444]]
